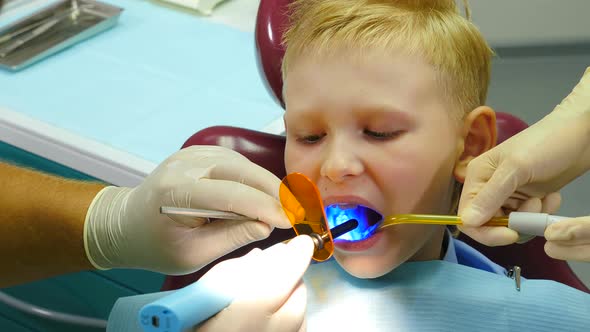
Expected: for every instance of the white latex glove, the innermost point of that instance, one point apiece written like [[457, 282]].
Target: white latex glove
[[569, 239], [269, 292], [533, 164], [124, 227]]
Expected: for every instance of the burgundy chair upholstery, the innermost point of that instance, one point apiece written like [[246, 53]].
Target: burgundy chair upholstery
[[270, 24], [267, 151]]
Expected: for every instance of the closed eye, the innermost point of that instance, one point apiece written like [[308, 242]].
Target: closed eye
[[310, 139], [382, 136]]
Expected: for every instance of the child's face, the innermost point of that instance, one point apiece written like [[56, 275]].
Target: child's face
[[375, 132]]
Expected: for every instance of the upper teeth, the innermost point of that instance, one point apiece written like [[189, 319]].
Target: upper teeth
[[346, 206]]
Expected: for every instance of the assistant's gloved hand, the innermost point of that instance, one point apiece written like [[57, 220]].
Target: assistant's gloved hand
[[569, 239], [269, 294], [532, 165], [124, 227]]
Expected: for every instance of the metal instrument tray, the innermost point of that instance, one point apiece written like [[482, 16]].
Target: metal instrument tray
[[52, 29]]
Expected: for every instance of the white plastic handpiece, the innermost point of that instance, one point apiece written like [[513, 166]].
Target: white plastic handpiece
[[532, 223]]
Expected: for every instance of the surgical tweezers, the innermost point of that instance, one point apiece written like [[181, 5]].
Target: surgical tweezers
[[34, 30], [200, 213], [37, 31], [20, 31]]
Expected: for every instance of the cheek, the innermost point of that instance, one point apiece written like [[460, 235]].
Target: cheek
[[301, 160], [290, 160], [418, 180]]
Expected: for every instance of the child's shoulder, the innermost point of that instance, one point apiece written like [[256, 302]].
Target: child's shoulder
[[469, 256]]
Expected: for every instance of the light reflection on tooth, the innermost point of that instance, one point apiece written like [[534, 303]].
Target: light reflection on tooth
[[347, 206]]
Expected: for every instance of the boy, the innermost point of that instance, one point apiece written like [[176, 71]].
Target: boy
[[384, 109]]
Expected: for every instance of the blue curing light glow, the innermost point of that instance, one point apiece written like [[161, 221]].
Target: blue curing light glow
[[368, 220]]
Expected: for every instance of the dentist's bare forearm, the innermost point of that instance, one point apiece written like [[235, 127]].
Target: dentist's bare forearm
[[41, 224]]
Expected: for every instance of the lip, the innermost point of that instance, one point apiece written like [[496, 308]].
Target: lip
[[356, 246]]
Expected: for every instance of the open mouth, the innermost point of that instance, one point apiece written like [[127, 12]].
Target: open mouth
[[368, 221]]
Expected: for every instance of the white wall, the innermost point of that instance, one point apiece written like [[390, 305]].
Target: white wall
[[532, 22]]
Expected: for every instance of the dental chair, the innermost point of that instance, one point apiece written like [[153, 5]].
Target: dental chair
[[267, 151]]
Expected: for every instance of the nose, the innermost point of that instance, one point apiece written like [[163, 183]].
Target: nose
[[341, 161]]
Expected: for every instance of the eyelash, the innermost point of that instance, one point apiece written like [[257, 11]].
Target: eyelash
[[380, 136], [308, 139]]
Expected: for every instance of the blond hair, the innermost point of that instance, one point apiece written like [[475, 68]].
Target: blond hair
[[432, 29]]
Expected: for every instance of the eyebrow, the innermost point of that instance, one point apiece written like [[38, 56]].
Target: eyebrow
[[378, 110], [384, 113], [362, 110]]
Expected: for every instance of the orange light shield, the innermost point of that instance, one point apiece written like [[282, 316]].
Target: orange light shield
[[296, 192]]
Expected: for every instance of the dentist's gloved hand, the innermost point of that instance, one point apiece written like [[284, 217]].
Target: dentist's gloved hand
[[124, 227], [269, 293], [533, 165], [569, 239]]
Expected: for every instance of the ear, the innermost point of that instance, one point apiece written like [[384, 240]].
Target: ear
[[479, 136]]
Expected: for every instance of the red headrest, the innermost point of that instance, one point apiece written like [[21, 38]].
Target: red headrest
[[270, 24], [508, 125]]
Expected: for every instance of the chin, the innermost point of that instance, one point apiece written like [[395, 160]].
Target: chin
[[365, 266]]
